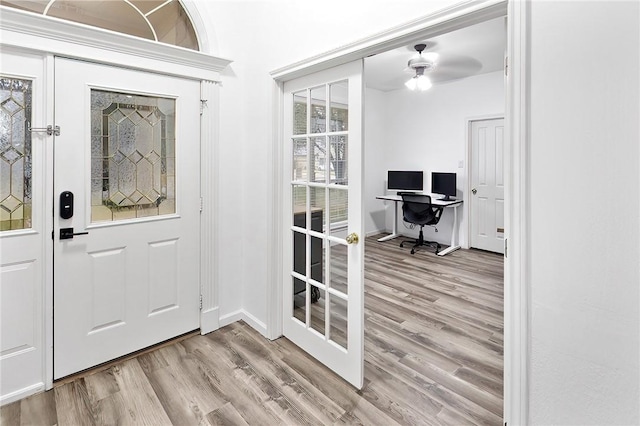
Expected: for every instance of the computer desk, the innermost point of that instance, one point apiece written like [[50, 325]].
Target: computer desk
[[434, 201]]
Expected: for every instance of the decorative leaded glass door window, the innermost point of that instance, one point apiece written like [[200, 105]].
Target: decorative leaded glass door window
[[15, 154], [132, 156]]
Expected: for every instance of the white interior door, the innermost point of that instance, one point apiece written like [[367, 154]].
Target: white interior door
[[23, 222], [487, 185], [323, 259], [129, 153]]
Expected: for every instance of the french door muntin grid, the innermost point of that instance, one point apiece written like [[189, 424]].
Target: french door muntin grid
[[334, 141]]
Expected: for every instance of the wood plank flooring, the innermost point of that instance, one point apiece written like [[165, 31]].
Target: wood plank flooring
[[433, 356]]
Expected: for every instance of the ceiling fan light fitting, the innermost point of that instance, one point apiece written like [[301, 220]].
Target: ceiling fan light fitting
[[420, 83]]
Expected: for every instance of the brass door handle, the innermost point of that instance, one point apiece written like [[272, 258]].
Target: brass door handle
[[474, 191], [353, 238]]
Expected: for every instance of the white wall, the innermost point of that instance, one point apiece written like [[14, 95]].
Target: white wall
[[428, 131], [375, 119], [585, 214]]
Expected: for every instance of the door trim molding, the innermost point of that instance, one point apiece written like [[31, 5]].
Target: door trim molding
[[517, 216], [209, 223], [517, 273], [467, 182]]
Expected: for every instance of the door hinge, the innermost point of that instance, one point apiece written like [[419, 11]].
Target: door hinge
[[506, 65], [506, 247], [203, 103], [201, 204], [200, 302], [53, 235]]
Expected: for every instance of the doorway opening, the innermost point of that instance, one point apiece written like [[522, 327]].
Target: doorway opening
[[434, 308]]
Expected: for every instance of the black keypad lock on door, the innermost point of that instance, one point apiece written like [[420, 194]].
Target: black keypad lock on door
[[66, 204]]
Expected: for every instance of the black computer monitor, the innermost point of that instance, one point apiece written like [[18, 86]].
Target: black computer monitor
[[405, 181], [443, 183]]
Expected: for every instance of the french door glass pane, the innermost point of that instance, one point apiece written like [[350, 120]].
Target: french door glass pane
[[299, 204], [319, 160], [318, 207], [338, 319], [338, 147], [338, 209], [299, 301], [318, 110], [339, 117], [338, 267], [300, 159], [317, 311], [15, 153], [300, 113], [132, 156]]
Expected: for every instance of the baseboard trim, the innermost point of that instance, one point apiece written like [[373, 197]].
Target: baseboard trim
[[255, 323], [209, 320], [376, 232], [21, 393], [242, 315], [231, 318]]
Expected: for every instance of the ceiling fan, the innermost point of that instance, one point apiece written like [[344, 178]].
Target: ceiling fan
[[420, 64]]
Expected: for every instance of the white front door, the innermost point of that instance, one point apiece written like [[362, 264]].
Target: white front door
[[487, 185], [126, 183], [323, 261]]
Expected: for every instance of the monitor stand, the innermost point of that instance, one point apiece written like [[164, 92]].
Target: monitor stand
[[446, 198]]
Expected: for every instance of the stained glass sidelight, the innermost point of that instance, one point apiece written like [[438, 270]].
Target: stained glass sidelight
[[15, 153], [132, 156]]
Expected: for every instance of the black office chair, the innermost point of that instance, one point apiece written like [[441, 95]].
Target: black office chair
[[417, 209]]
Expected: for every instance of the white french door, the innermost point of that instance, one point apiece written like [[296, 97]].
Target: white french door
[[487, 185], [126, 216], [323, 291]]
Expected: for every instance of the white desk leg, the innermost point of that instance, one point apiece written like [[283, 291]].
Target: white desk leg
[[394, 233], [454, 234]]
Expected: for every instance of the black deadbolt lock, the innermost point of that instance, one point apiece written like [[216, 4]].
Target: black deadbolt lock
[[66, 204]]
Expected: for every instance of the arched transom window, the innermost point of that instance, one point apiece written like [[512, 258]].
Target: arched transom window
[[161, 20]]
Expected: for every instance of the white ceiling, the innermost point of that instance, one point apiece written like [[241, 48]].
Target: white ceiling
[[469, 51]]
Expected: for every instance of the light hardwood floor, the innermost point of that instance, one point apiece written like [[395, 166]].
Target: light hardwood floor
[[434, 355]]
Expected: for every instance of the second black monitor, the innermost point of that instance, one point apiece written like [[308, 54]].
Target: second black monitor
[[443, 183]]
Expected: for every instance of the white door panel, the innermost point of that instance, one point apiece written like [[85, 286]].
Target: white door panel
[[23, 223], [128, 151], [323, 268], [487, 185]]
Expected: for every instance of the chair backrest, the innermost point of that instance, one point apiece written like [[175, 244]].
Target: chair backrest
[[417, 208]]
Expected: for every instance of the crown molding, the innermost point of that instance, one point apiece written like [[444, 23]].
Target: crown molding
[[46, 34], [461, 15]]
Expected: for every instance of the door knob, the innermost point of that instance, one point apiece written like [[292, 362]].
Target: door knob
[[353, 238], [474, 191]]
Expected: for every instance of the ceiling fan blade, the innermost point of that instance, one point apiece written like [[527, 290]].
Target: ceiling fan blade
[[455, 67]]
